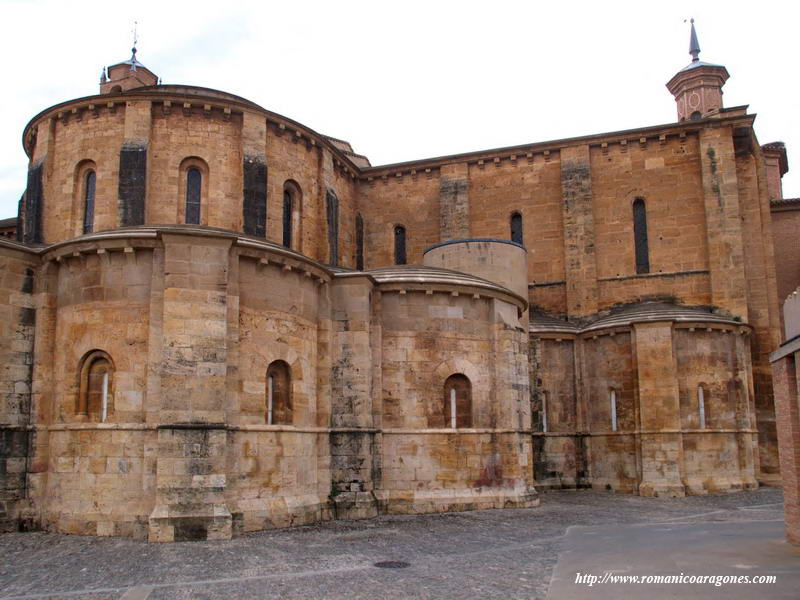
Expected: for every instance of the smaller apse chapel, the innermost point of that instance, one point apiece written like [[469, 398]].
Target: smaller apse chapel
[[217, 320]]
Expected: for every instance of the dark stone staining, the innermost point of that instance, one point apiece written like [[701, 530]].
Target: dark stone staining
[[14, 442], [189, 529], [255, 196], [351, 460], [332, 211], [20, 218], [27, 316], [132, 184], [742, 141], [454, 208], [33, 203], [640, 237], [27, 282]]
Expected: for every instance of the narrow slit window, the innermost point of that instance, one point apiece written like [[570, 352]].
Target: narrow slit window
[[194, 186], [516, 228], [613, 399], [89, 185], [701, 406], [640, 237], [332, 207], [270, 398], [400, 245], [359, 242], [278, 409], [287, 218], [457, 402], [544, 412]]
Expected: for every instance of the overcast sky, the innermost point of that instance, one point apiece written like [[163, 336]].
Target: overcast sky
[[408, 80]]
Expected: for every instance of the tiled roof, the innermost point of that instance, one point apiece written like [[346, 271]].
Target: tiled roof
[[639, 313]]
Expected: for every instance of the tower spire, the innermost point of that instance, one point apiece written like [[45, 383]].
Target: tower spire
[[694, 45], [133, 50]]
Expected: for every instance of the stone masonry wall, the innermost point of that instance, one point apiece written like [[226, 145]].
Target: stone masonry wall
[[17, 329]]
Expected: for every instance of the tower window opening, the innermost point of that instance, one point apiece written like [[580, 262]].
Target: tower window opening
[[89, 186], [194, 186], [359, 242], [400, 245], [516, 228], [640, 237], [287, 217]]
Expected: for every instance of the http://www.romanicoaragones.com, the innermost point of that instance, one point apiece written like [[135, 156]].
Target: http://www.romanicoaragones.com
[[609, 577]]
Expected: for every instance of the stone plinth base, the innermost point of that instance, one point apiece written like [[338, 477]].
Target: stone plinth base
[[661, 490], [452, 500], [183, 524], [355, 505], [258, 514], [702, 487]]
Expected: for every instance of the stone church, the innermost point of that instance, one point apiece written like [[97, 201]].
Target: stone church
[[216, 320]]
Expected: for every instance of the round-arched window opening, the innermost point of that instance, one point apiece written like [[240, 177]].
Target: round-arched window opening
[[696, 116]]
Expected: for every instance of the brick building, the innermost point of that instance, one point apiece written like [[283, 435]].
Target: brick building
[[217, 320]]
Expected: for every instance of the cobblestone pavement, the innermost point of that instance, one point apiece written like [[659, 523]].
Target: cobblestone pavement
[[482, 554]]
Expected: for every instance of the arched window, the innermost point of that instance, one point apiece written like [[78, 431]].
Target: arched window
[[194, 188], [516, 228], [701, 406], [640, 237], [612, 396], [288, 207], [89, 184], [457, 402], [279, 396], [399, 245], [95, 393], [696, 116], [359, 242]]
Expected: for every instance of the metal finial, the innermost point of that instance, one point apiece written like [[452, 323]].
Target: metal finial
[[135, 41], [694, 45], [103, 76]]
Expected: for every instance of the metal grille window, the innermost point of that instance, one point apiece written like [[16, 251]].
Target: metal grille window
[[89, 185], [640, 237], [194, 187], [399, 245], [516, 228]]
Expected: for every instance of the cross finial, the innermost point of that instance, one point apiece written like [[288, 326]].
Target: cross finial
[[694, 45]]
